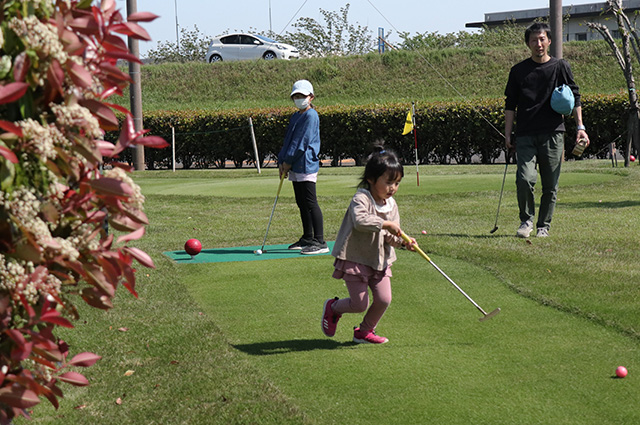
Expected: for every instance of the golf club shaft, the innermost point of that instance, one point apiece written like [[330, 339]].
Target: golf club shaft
[[504, 177], [272, 211], [426, 257]]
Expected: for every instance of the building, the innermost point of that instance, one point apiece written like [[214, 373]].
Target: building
[[575, 18]]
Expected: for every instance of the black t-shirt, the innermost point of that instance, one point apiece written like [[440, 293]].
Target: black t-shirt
[[528, 92]]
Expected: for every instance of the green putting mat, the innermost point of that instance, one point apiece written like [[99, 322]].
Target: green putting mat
[[246, 253]]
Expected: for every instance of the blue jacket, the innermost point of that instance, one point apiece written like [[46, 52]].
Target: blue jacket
[[302, 143]]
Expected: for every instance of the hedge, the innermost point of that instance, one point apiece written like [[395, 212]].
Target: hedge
[[447, 132]]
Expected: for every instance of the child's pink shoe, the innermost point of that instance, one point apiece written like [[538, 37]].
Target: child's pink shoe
[[367, 337], [329, 318]]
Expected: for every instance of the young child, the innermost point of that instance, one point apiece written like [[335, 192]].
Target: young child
[[298, 159], [364, 248]]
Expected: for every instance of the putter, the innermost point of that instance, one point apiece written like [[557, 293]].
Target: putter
[[271, 216], [486, 316], [506, 165]]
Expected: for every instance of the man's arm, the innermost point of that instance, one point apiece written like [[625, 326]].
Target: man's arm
[[581, 133], [509, 117]]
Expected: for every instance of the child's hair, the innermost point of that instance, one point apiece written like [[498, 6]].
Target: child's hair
[[378, 163]]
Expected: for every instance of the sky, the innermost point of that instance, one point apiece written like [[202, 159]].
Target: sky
[[414, 16]]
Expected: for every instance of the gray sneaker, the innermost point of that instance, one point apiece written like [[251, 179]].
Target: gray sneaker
[[316, 248], [525, 229], [543, 232]]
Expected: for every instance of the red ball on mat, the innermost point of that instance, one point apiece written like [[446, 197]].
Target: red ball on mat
[[193, 247]]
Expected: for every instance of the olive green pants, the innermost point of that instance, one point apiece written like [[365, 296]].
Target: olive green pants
[[546, 151]]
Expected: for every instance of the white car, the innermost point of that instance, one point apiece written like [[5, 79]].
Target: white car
[[234, 47]]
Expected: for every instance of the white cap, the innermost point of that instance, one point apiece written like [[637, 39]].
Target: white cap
[[303, 87]]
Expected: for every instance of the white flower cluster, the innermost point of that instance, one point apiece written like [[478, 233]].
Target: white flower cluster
[[13, 278], [137, 199], [76, 117], [42, 140], [41, 37]]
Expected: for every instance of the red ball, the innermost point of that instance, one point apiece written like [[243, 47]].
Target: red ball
[[193, 247], [621, 372], [632, 158]]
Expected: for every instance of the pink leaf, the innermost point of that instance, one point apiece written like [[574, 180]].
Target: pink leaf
[[79, 74], [74, 378], [85, 359], [131, 236], [53, 316], [11, 127], [105, 148], [152, 142], [132, 30], [16, 396], [105, 115], [12, 92], [123, 55], [111, 186], [142, 257], [8, 154], [142, 17]]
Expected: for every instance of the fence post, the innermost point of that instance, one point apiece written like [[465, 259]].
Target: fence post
[[173, 147], [255, 146]]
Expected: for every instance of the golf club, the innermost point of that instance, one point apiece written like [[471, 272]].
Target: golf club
[[261, 250], [486, 316], [506, 165]]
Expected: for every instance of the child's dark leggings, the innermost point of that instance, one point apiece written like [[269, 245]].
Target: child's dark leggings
[[310, 212]]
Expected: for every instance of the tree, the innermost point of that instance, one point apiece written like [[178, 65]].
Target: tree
[[336, 37], [630, 40], [57, 70], [193, 48]]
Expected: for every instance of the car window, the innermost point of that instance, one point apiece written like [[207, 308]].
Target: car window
[[247, 39], [230, 39]]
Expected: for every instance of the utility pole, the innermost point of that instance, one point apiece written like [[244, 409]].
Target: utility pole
[[175, 3], [135, 90], [555, 22], [270, 28]]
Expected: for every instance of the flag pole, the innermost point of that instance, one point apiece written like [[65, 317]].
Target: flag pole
[[415, 136]]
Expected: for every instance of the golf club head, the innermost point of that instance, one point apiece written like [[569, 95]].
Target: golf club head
[[490, 315], [493, 230]]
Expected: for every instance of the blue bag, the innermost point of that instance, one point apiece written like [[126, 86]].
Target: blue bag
[[562, 100]]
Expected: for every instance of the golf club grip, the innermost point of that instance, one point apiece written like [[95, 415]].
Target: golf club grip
[[280, 186], [408, 240]]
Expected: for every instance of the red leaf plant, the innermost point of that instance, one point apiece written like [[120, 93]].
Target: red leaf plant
[[57, 70]]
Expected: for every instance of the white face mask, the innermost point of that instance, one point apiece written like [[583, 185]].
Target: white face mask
[[302, 103]]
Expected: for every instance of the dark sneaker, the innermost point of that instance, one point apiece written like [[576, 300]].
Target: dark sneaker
[[329, 318], [367, 337], [316, 248], [301, 244]]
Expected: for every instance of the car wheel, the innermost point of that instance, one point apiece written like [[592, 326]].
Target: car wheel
[[269, 56], [215, 58]]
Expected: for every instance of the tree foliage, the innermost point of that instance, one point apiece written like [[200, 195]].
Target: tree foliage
[[57, 70], [336, 37], [192, 47], [509, 34]]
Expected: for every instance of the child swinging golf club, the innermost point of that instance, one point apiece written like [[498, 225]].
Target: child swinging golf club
[[364, 248]]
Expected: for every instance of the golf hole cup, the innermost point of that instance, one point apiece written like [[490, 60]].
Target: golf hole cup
[[580, 146]]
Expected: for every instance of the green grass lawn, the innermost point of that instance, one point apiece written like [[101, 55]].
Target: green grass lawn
[[240, 343]]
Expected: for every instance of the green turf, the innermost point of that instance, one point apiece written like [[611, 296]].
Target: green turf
[[241, 253], [240, 342]]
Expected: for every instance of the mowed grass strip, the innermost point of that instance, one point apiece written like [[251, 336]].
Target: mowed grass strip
[[241, 342]]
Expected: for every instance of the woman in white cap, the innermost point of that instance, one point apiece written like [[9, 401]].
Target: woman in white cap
[[298, 159]]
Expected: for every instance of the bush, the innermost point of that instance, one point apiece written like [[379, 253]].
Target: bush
[[447, 131], [58, 68]]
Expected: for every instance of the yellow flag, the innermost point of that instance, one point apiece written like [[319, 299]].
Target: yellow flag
[[408, 125]]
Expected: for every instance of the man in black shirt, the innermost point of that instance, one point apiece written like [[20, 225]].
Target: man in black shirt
[[539, 129]]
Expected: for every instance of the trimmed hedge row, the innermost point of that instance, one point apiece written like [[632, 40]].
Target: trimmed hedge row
[[447, 132]]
